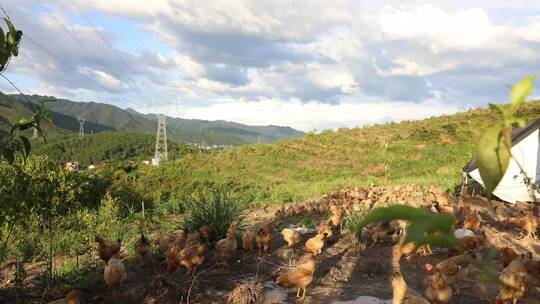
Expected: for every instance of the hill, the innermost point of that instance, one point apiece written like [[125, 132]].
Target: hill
[[105, 147], [104, 117], [426, 152]]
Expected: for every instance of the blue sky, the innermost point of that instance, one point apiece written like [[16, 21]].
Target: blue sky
[[306, 64]]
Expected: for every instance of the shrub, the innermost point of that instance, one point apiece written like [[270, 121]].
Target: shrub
[[215, 207]]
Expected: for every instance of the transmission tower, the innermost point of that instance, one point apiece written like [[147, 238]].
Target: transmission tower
[[161, 139], [81, 127]]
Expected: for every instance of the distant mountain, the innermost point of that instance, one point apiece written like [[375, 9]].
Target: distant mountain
[[105, 117]]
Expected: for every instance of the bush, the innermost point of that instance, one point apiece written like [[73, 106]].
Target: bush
[[215, 207]]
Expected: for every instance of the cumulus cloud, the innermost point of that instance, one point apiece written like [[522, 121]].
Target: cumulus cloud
[[288, 57]]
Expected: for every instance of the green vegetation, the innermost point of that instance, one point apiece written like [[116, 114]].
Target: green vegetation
[[216, 207], [427, 152], [109, 146]]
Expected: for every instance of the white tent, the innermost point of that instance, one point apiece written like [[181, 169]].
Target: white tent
[[521, 181]]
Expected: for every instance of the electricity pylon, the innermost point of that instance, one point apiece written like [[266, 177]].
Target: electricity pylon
[[161, 139], [81, 127]]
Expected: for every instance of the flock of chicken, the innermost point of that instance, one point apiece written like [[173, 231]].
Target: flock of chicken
[[442, 280]]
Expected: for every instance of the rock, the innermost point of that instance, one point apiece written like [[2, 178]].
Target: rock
[[364, 300], [277, 295], [461, 233]]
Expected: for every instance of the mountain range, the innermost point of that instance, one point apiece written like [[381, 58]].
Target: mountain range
[[106, 117]]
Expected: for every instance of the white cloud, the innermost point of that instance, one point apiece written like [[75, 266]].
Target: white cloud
[[318, 58], [307, 116]]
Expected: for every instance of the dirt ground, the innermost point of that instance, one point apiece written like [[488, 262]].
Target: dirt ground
[[345, 270]]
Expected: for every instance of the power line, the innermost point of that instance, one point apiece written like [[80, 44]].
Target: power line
[[64, 62], [79, 41], [107, 42]]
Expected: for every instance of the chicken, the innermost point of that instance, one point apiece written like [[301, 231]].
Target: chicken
[[264, 239], [324, 228], [298, 209], [402, 294], [74, 297], [248, 241], [528, 224], [207, 233], [164, 241], [337, 220], [438, 292], [470, 244], [507, 255], [453, 270], [192, 257], [300, 277], [322, 209], [193, 238], [472, 221], [376, 232], [315, 244], [106, 249], [114, 274], [172, 253], [286, 254], [512, 281], [226, 247], [142, 246], [292, 237]]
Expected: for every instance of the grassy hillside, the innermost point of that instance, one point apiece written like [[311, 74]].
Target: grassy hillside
[[104, 117], [105, 146], [431, 151]]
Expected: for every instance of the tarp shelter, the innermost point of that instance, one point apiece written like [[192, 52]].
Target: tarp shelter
[[525, 150]]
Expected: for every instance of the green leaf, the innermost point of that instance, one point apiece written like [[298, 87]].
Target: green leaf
[[521, 90], [425, 227], [9, 155], [493, 151], [27, 146]]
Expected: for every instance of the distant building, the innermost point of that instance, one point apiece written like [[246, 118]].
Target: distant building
[[72, 166], [156, 161], [94, 166]]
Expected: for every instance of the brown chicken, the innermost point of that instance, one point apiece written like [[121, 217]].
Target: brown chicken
[[472, 221], [322, 209], [164, 241], [470, 244], [453, 270], [527, 223], [300, 277], [376, 232], [265, 238], [324, 228], [207, 233], [315, 244], [512, 281], [225, 248], [193, 238], [192, 257], [114, 275], [172, 252], [298, 209], [292, 237], [107, 249], [74, 297], [402, 294], [248, 241], [142, 246], [438, 292], [507, 255]]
